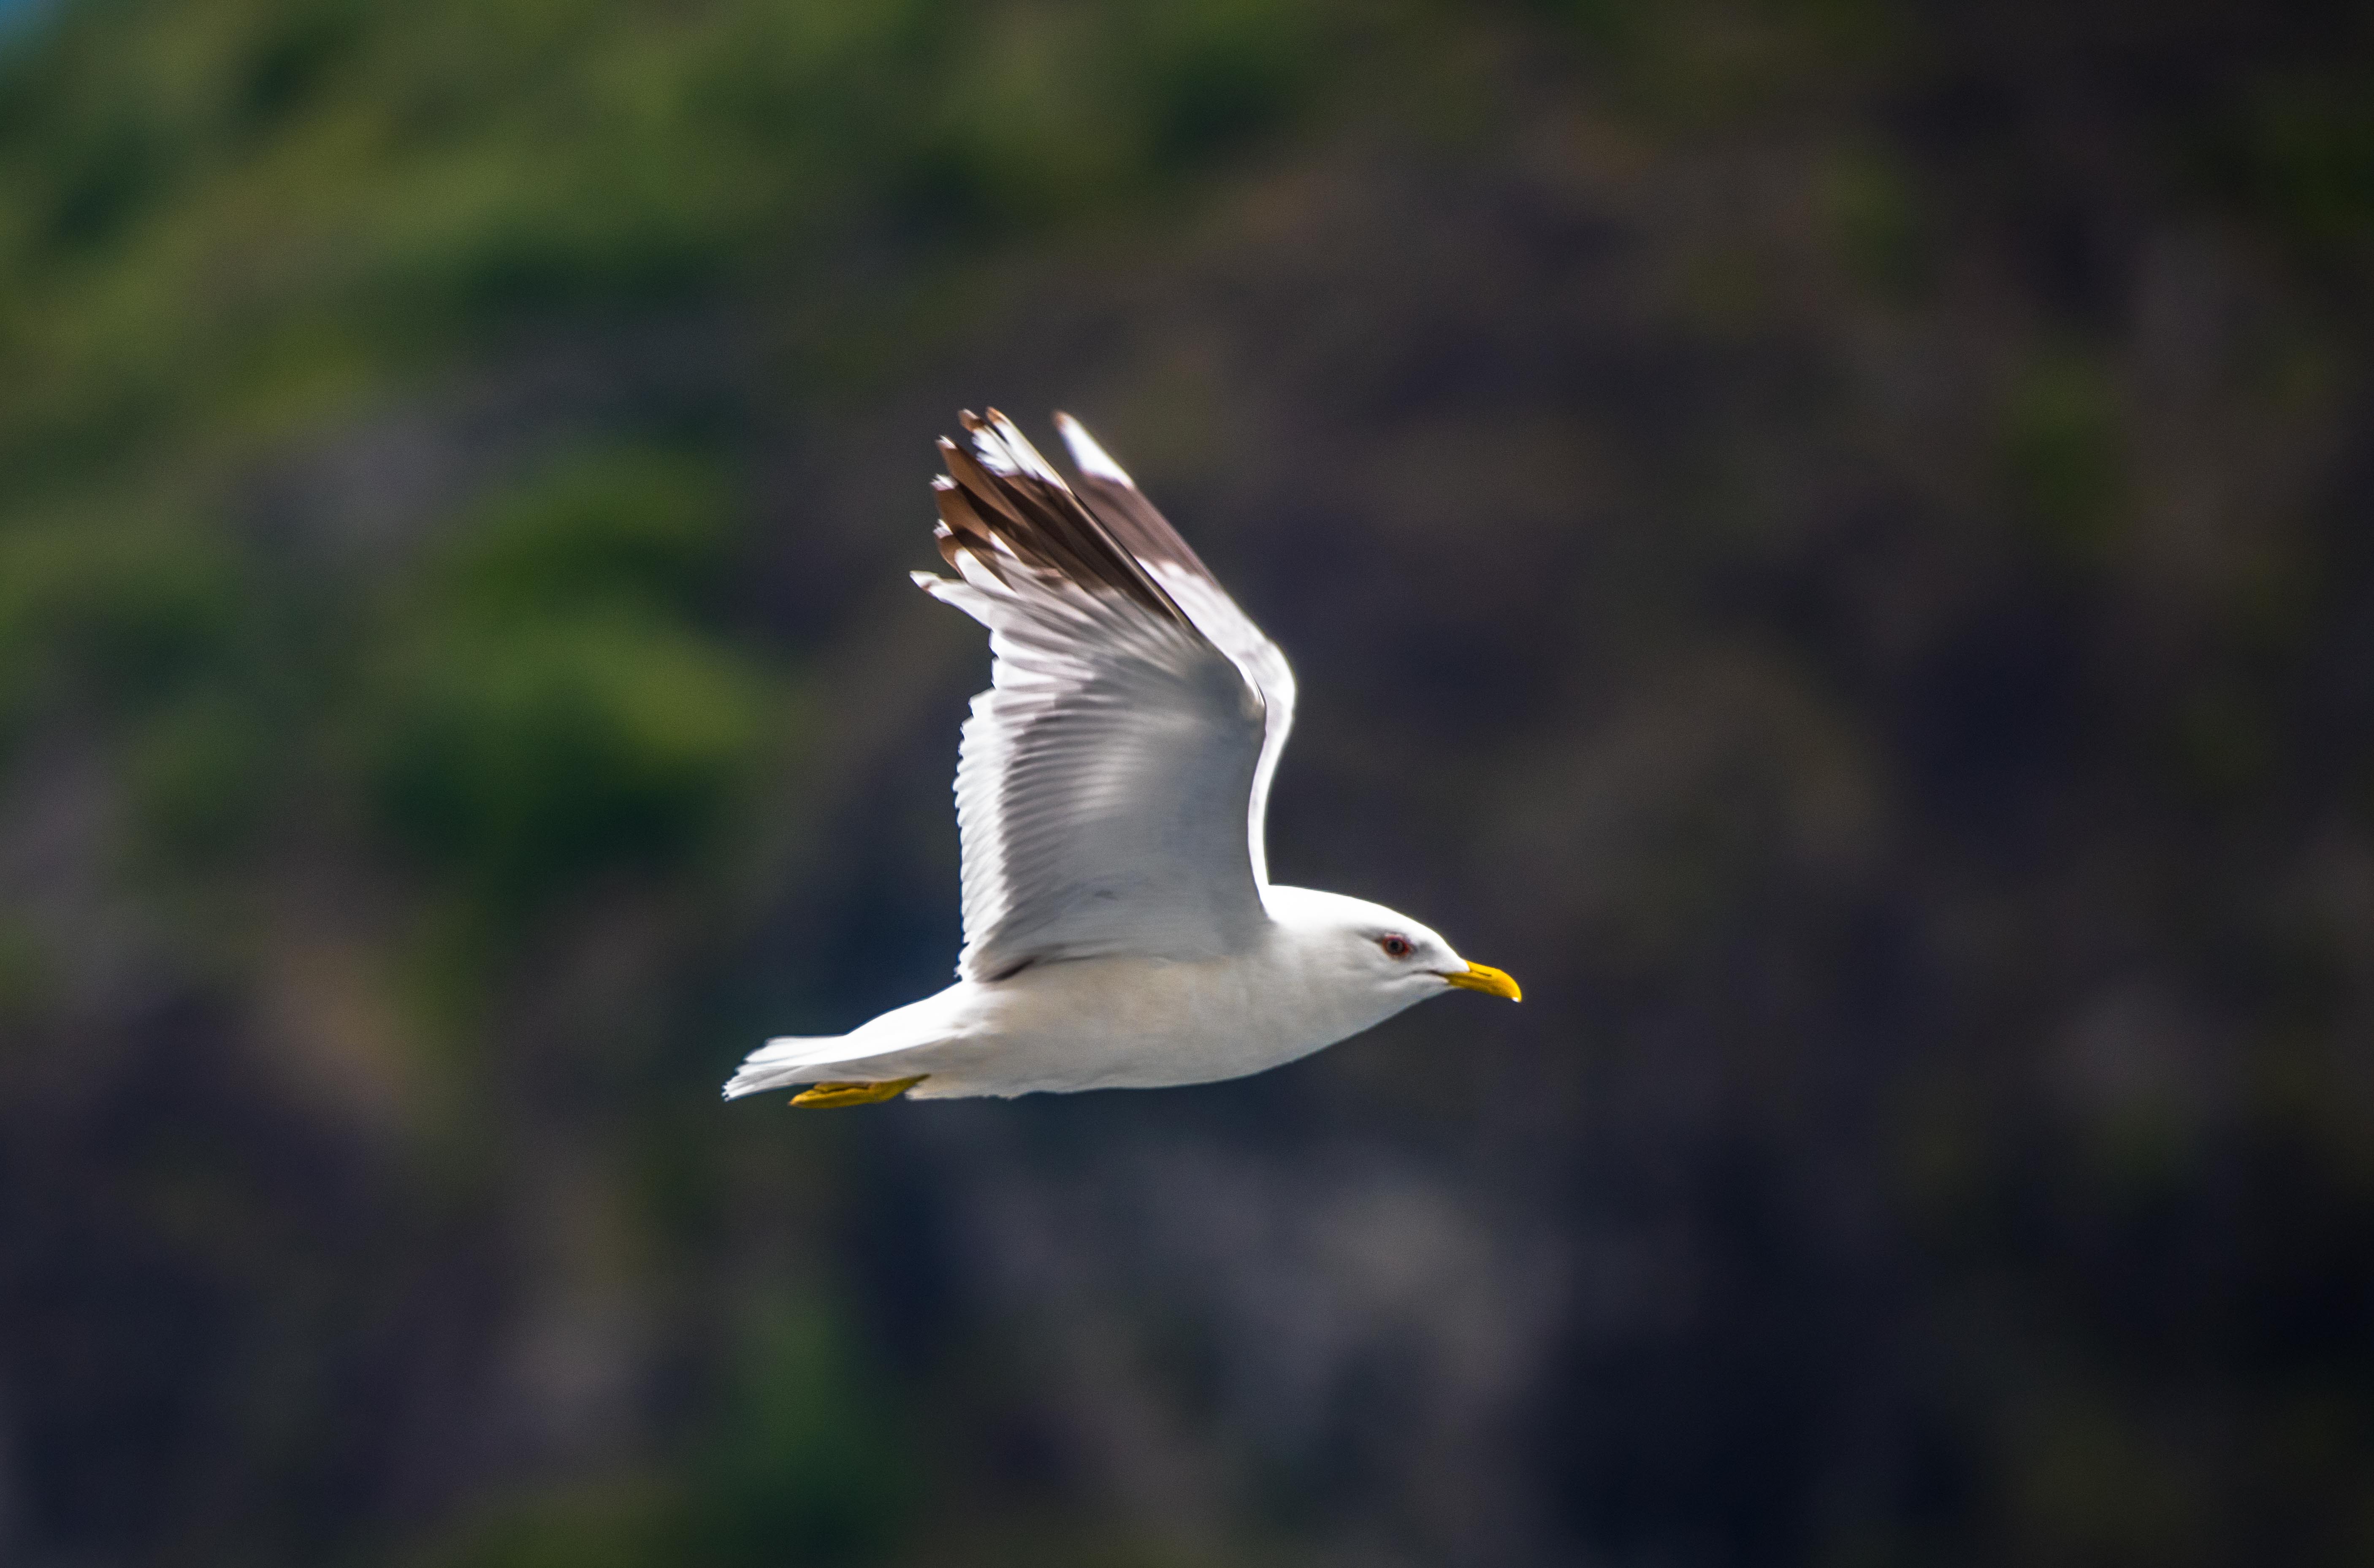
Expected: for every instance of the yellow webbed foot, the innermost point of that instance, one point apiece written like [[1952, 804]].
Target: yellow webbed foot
[[824, 1096]]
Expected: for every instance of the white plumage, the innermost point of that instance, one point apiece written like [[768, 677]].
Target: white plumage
[[1121, 929]]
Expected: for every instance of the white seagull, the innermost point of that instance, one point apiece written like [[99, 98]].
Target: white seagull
[[1121, 929]]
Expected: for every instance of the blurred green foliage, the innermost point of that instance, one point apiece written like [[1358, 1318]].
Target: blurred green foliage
[[548, 702], [811, 1464], [223, 212], [615, 1523], [526, 752], [26, 982], [1875, 208], [197, 774], [128, 612], [808, 1466], [2064, 453]]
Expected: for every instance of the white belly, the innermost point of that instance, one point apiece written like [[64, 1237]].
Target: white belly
[[1115, 1024]]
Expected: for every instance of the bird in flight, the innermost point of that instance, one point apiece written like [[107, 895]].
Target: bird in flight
[[1121, 929]]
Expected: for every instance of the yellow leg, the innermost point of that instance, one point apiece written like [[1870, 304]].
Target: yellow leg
[[825, 1096]]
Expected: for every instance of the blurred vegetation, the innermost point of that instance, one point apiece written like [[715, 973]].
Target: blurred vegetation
[[552, 705], [1828, 535]]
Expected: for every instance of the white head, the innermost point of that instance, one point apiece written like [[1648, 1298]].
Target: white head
[[1374, 960]]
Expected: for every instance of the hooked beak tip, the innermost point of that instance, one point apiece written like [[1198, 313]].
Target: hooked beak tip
[[1483, 977]]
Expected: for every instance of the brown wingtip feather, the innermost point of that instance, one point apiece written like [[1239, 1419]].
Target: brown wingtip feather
[[958, 514], [964, 469], [1033, 513]]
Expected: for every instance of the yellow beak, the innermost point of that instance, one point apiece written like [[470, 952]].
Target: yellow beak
[[1490, 982]]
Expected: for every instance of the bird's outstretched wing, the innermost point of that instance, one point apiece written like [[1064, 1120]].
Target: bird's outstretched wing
[[1113, 778]]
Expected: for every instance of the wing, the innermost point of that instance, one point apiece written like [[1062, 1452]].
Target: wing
[[1115, 500], [1110, 786]]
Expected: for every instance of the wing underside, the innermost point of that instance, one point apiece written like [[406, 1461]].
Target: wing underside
[[1111, 780]]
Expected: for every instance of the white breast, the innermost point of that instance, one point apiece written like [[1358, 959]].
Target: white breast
[[1130, 1023]]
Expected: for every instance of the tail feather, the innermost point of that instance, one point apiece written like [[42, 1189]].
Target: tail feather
[[780, 1064], [872, 1053]]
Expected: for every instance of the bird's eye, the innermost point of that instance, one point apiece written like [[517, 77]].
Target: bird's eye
[[1395, 946]]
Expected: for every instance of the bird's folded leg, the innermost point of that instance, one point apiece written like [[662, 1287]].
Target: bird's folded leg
[[824, 1096]]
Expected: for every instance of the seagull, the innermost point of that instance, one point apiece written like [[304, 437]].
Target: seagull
[[1121, 928]]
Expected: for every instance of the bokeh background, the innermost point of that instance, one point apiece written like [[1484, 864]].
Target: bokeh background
[[1830, 537]]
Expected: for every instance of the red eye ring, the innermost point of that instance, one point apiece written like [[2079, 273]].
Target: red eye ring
[[1396, 946]]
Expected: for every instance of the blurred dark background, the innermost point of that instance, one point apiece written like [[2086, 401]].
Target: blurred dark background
[[1831, 538]]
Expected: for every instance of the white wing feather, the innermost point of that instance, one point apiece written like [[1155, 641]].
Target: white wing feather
[[1118, 502], [1112, 781]]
